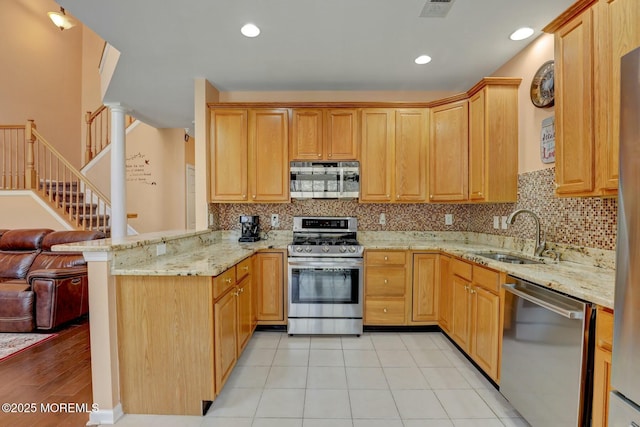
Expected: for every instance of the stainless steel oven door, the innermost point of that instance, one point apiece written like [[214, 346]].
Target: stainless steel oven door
[[325, 287]]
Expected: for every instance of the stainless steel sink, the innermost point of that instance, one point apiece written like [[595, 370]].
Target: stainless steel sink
[[508, 258]]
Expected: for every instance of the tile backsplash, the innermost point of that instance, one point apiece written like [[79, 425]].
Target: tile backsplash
[[589, 222]]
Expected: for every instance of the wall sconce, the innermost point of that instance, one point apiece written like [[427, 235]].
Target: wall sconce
[[61, 19]]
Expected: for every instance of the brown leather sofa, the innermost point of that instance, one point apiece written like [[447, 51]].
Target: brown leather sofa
[[40, 288]]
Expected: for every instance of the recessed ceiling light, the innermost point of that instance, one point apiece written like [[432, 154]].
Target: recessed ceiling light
[[422, 59], [250, 30], [521, 33]]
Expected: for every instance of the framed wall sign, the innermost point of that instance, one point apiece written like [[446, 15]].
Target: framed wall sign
[[548, 140]]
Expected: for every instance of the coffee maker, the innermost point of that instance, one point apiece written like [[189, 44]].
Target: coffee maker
[[250, 228]]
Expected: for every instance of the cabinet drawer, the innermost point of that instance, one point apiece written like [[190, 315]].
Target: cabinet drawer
[[223, 282], [385, 281], [385, 258], [461, 268], [379, 311], [488, 279], [244, 268]]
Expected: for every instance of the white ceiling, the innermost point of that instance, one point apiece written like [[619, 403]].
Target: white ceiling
[[349, 45]]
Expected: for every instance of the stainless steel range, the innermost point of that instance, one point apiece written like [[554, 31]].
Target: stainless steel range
[[326, 272]]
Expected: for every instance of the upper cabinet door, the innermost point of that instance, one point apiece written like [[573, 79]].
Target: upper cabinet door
[[477, 144], [269, 155], [306, 134], [575, 154], [228, 178], [448, 153], [376, 154], [411, 137], [341, 138], [621, 20]]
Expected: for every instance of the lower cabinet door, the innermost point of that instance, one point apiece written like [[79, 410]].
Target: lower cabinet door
[[245, 315], [425, 288], [485, 335], [460, 312], [225, 339]]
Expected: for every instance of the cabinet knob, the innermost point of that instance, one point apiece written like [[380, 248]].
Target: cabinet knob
[[386, 281], [245, 268], [384, 309], [241, 290], [254, 196], [472, 291], [244, 196], [387, 196], [319, 155], [386, 258], [397, 196], [466, 288], [228, 280]]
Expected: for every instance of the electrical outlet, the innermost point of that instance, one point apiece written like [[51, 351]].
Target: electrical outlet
[[210, 219], [161, 249], [275, 221], [504, 223], [496, 222], [448, 219], [383, 219]]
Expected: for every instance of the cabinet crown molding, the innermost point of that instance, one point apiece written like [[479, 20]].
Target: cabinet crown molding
[[574, 10]]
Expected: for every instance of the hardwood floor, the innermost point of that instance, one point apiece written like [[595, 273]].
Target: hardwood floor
[[47, 377]]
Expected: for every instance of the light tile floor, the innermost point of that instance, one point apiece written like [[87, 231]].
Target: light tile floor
[[379, 379]]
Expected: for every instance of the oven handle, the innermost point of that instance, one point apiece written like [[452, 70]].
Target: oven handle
[[326, 262]]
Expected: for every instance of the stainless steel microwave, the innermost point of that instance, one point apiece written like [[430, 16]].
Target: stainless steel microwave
[[325, 180]]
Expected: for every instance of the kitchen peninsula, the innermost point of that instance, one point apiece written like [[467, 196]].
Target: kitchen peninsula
[[152, 304]]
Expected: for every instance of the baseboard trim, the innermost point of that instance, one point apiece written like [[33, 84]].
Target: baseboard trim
[[105, 416]]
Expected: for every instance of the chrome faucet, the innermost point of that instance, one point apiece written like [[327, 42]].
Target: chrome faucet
[[540, 240]]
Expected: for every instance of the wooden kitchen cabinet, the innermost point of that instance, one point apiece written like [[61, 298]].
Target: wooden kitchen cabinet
[[425, 289], [493, 140], [324, 134], [270, 298], [602, 367], [385, 288], [393, 155], [445, 294], [226, 336], [376, 154], [249, 155], [246, 319], [476, 313], [229, 155], [448, 152], [590, 39]]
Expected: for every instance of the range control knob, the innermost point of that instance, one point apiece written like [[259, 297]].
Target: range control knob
[[343, 249], [325, 249], [352, 249], [307, 249], [298, 248]]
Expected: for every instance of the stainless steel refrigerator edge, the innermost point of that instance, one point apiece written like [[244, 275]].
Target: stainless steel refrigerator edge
[[624, 409]]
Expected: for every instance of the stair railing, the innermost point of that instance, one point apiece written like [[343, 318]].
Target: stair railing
[[48, 173], [13, 157], [99, 131]]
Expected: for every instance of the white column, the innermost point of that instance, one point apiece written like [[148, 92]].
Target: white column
[[118, 172]]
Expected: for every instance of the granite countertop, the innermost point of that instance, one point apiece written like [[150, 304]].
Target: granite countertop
[[590, 283]]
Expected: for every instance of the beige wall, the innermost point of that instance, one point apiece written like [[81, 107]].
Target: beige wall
[[524, 65], [41, 73], [156, 178], [92, 46], [33, 212]]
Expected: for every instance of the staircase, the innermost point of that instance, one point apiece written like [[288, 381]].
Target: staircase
[[29, 162]]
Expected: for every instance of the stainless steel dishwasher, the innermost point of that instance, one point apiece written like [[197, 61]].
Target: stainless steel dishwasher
[[545, 354]]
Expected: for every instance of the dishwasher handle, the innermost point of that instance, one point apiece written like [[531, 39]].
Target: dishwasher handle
[[569, 314]]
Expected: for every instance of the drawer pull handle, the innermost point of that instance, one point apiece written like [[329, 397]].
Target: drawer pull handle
[[228, 280], [245, 268], [76, 281], [384, 310]]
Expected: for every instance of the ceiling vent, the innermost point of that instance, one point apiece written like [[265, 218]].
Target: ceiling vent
[[436, 8]]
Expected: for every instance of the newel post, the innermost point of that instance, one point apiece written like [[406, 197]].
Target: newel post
[[88, 153], [30, 172]]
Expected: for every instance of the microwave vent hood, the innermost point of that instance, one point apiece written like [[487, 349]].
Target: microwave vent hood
[[325, 180]]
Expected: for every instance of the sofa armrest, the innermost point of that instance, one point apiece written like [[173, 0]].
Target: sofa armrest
[[56, 273]]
